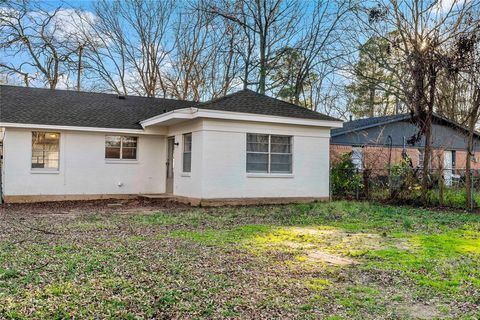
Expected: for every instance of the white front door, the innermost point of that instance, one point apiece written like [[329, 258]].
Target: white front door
[[447, 167]]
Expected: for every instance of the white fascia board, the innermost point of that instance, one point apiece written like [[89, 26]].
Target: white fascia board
[[193, 113], [72, 128], [185, 113]]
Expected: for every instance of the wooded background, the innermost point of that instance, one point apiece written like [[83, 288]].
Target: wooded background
[[342, 58]]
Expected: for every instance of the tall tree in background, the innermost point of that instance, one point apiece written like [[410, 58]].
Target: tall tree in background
[[31, 42], [468, 65], [271, 22], [127, 44], [204, 62], [374, 89], [422, 28]]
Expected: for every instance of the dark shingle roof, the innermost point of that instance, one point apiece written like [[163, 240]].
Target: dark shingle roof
[[367, 123], [248, 101], [84, 109], [89, 109], [361, 124]]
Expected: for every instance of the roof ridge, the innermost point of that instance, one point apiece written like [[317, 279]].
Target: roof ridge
[[93, 92]]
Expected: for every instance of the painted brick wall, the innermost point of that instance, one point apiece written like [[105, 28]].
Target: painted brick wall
[[376, 158]]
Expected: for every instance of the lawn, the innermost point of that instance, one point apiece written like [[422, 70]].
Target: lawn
[[339, 260]]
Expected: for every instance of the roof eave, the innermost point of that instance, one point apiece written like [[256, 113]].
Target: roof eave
[[193, 113]]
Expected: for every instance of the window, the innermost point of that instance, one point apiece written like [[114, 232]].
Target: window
[[121, 147], [357, 158], [45, 150], [421, 156], [269, 153], [187, 152]]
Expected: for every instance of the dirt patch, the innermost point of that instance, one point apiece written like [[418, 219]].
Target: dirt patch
[[422, 311], [102, 206], [329, 258]]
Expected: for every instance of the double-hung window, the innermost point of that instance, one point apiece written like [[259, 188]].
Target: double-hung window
[[187, 152], [45, 150], [121, 147], [269, 153]]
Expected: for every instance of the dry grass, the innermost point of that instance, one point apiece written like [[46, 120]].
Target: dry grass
[[340, 260]]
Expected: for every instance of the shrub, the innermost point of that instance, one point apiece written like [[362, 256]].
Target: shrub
[[345, 177]]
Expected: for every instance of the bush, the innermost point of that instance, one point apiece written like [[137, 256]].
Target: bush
[[345, 177]]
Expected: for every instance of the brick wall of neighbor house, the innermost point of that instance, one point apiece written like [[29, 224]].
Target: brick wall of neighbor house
[[376, 158], [336, 152], [461, 157]]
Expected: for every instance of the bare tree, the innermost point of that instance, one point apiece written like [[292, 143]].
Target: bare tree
[[272, 22], [419, 30], [312, 57], [468, 64], [127, 44], [30, 31], [205, 62]]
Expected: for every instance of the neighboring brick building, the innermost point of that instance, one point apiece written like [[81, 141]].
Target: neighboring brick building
[[376, 142]]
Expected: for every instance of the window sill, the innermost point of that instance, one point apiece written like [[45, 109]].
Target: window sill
[[110, 161], [270, 175], [40, 171], [186, 174]]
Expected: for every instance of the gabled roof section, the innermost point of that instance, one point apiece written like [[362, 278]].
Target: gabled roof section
[[366, 123], [22, 105], [361, 124], [248, 101], [80, 109]]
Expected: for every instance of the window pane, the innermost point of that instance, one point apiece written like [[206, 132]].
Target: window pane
[[129, 142], [113, 141], [45, 150], [281, 144], [187, 162], [112, 153], [257, 142], [129, 153], [257, 162], [187, 142], [357, 157], [280, 148], [281, 139], [281, 163]]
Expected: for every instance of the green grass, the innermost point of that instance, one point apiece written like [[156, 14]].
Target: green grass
[[339, 260]]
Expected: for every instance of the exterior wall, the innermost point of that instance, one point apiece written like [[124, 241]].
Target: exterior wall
[[218, 165], [224, 162], [336, 152], [376, 158], [188, 184], [83, 167]]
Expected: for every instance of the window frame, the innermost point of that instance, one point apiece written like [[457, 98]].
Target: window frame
[[45, 170], [121, 148], [269, 153], [360, 163], [184, 152]]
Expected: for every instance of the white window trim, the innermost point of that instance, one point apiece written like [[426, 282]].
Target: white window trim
[[121, 160], [270, 173], [46, 170]]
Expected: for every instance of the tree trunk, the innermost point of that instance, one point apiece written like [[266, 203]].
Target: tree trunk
[[79, 70], [371, 101], [432, 82], [263, 67], [427, 157], [471, 131]]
